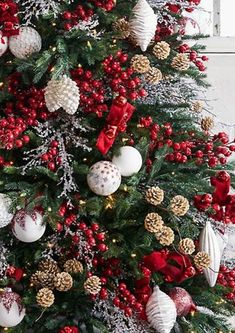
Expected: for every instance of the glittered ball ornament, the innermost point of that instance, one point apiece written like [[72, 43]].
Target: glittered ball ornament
[[104, 178], [12, 311], [183, 301], [5, 215], [129, 161], [3, 44], [28, 227], [27, 42]]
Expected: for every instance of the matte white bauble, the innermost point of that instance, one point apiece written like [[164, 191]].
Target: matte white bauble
[[5, 215], [104, 178], [12, 311], [129, 161], [27, 42], [28, 227], [3, 44]]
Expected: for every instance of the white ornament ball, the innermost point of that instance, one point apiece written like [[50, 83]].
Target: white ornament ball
[[161, 311], [129, 161], [5, 215], [27, 42], [104, 178], [28, 227], [12, 311], [3, 44]]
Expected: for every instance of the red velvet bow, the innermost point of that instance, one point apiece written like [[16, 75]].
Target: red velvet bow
[[222, 183], [120, 113], [8, 18]]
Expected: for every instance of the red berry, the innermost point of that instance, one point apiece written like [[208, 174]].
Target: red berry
[[116, 301], [128, 311]]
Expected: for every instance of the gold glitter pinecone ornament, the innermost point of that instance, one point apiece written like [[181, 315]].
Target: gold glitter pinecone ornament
[[154, 76], [42, 279], [207, 123], [154, 195], [202, 260], [73, 266], [165, 236], [153, 222], [92, 285], [123, 27], [161, 50], [49, 266], [186, 246], [180, 62], [63, 281], [140, 64], [45, 298], [179, 205], [197, 106]]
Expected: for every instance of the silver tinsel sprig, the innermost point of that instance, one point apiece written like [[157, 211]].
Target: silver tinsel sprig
[[115, 319], [70, 132], [89, 28], [31, 9], [4, 253]]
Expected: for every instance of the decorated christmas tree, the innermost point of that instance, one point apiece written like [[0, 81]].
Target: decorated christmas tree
[[115, 193]]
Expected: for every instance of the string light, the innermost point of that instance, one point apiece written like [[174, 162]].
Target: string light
[[82, 202], [114, 240], [1, 84], [49, 209], [133, 255]]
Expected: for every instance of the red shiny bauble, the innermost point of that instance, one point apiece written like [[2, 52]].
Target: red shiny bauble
[[183, 301]]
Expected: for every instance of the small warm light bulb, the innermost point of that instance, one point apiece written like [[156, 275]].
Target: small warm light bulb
[[82, 202], [1, 84], [54, 49], [5, 329], [49, 209], [133, 255], [114, 240], [52, 69]]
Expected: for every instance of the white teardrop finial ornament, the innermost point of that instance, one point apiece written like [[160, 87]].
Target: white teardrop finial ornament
[[143, 24], [161, 311], [209, 244]]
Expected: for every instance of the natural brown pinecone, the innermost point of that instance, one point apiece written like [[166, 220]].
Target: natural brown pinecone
[[179, 205], [154, 195], [202, 260], [42, 279], [140, 64], [63, 281], [197, 106], [207, 123], [154, 76], [123, 27], [180, 62], [92, 285], [49, 266], [162, 50], [186, 246], [165, 236], [45, 298], [153, 222], [73, 266]]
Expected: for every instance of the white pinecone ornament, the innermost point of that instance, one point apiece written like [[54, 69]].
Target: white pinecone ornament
[[143, 24], [62, 93], [27, 42]]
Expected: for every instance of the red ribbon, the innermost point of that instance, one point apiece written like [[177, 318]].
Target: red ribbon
[[120, 113]]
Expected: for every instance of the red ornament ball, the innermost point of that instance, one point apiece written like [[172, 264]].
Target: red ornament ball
[[183, 301]]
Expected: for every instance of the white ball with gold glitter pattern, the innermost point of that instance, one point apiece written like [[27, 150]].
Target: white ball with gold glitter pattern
[[129, 161], [104, 178], [3, 44], [12, 311], [28, 227], [27, 42]]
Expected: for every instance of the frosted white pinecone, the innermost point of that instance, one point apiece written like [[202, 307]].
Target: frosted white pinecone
[[62, 93], [5, 215]]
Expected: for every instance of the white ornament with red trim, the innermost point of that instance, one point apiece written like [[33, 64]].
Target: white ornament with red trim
[[3, 44], [12, 311], [161, 311], [27, 42], [5, 215], [209, 244], [28, 227], [129, 161], [104, 178], [143, 24]]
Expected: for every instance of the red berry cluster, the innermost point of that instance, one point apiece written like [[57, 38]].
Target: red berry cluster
[[51, 158], [194, 57], [9, 22], [72, 18], [226, 278], [120, 78], [177, 8], [126, 301], [92, 91], [69, 329], [104, 4], [68, 214]]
